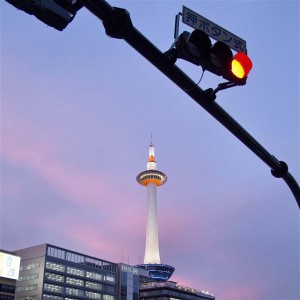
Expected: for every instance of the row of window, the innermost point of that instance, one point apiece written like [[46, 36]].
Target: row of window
[[80, 259], [25, 288], [91, 296], [53, 297], [53, 288], [30, 266], [29, 277], [73, 281], [7, 288], [152, 177], [26, 298], [78, 272]]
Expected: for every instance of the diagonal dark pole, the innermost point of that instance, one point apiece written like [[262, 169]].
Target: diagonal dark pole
[[118, 24]]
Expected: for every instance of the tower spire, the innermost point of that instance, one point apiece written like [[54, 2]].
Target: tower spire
[[151, 151]]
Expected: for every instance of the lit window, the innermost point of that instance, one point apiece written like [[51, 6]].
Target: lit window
[[53, 288], [93, 285], [24, 288], [74, 281], [74, 271], [29, 277], [54, 277], [92, 295], [108, 297], [29, 266], [74, 292], [110, 278], [95, 276], [55, 267], [52, 297]]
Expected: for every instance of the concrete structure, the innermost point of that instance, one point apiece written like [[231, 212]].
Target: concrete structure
[[152, 178]]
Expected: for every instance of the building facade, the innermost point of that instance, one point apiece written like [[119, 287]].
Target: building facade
[[52, 273], [171, 291], [128, 282]]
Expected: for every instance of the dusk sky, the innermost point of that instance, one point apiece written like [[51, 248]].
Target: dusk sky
[[77, 112]]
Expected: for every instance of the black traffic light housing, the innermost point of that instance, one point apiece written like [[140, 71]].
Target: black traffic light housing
[[196, 47], [55, 13]]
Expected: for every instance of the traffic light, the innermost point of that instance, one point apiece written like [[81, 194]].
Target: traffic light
[[54, 13], [196, 47]]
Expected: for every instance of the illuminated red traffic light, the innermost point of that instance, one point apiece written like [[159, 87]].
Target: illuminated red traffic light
[[241, 65]]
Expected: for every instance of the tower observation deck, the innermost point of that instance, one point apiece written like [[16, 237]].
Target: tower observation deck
[[152, 178]]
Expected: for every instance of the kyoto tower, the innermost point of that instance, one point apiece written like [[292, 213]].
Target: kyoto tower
[[152, 178]]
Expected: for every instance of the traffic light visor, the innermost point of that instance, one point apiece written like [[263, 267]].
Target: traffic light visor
[[241, 65]]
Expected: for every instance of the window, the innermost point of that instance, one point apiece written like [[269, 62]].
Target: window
[[108, 297], [7, 288], [29, 277], [6, 297], [75, 271], [52, 297], [24, 288], [109, 266], [95, 276], [110, 289], [73, 257], [74, 281], [54, 277], [29, 266], [110, 278], [55, 267], [27, 298], [93, 295], [53, 288], [56, 252], [93, 285], [74, 292]]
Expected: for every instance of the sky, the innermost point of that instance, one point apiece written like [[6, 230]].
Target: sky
[[77, 112]]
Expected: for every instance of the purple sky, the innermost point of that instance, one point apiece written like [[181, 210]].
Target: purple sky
[[77, 112]]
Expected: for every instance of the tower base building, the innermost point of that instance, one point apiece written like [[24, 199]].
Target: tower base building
[[171, 290], [158, 272]]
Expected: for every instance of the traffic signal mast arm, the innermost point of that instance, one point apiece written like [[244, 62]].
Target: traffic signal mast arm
[[118, 24]]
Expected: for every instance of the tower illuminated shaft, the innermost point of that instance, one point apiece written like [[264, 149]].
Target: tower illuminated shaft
[[151, 178]]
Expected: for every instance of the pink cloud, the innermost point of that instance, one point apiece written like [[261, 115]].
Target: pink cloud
[[96, 237], [25, 146]]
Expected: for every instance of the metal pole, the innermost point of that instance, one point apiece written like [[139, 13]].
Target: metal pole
[[118, 24]]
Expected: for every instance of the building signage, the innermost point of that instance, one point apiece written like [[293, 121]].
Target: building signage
[[9, 265], [215, 31], [129, 269]]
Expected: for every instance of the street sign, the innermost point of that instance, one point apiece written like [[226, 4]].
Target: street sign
[[215, 31]]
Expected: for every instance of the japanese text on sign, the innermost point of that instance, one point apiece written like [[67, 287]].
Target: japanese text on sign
[[9, 265], [216, 32]]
